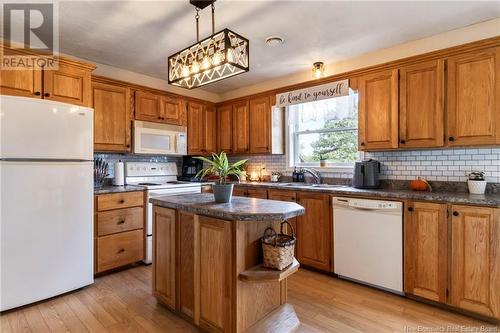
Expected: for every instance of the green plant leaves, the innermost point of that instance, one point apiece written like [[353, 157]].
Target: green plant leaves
[[219, 165]]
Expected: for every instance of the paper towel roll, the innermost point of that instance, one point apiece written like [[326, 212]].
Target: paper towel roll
[[119, 174]]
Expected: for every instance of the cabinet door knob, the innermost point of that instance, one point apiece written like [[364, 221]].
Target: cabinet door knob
[[37, 93], [121, 222], [410, 209], [451, 138], [455, 213], [46, 94], [121, 251], [122, 201], [128, 146], [362, 143], [402, 142]]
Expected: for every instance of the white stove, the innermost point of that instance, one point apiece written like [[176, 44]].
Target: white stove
[[159, 179]]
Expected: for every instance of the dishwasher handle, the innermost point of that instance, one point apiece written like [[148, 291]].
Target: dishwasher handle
[[365, 204]]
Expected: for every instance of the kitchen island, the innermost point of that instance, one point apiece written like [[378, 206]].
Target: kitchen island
[[206, 263]]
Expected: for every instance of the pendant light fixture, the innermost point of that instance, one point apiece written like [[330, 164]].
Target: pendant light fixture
[[318, 70], [217, 57]]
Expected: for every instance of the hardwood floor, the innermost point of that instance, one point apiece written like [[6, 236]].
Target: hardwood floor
[[122, 302]]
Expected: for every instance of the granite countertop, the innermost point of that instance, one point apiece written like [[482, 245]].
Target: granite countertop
[[240, 209], [117, 189], [490, 200]]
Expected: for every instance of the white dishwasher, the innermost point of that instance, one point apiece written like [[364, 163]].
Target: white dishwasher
[[368, 242]]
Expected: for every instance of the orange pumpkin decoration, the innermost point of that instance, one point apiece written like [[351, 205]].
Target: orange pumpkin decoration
[[420, 184]]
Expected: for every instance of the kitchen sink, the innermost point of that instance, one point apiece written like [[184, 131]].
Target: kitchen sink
[[328, 185]]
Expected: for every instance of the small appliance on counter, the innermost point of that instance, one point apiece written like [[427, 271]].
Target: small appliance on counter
[[366, 174], [190, 167]]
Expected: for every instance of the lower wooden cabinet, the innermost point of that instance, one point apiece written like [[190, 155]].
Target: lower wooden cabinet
[[289, 196], [250, 192], [164, 242], [475, 259], [118, 230], [314, 231], [425, 249]]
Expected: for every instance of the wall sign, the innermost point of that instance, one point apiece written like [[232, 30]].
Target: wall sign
[[316, 93]]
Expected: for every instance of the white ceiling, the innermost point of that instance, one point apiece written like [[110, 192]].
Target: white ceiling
[[139, 35]]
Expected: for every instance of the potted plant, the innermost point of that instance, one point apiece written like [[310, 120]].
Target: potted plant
[[476, 182], [219, 165]]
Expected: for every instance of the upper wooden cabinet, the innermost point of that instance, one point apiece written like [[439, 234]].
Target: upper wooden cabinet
[[225, 128], [26, 83], [473, 98], [314, 231], [425, 250], [173, 111], [241, 128], [112, 117], [68, 84], [260, 125], [148, 106], [202, 135], [421, 105], [475, 259], [378, 110]]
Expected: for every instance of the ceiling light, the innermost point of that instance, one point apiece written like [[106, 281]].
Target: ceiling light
[[318, 70], [217, 57], [274, 41]]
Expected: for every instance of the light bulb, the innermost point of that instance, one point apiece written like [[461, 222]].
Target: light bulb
[[218, 57], [205, 63], [195, 67], [230, 55], [185, 71], [318, 70]]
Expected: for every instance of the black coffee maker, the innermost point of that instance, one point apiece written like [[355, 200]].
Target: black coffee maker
[[190, 167], [366, 174]]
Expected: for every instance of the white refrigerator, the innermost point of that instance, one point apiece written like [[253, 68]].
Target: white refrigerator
[[46, 199]]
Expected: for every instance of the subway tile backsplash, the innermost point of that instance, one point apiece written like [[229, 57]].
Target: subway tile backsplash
[[449, 165]]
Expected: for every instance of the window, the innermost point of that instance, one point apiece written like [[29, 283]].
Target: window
[[324, 130]]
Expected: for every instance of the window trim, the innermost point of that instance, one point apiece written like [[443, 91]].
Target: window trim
[[292, 142]]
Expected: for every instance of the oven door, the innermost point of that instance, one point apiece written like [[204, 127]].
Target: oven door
[[154, 141]]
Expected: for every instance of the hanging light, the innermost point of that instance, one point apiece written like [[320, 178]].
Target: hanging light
[[318, 70], [217, 57]]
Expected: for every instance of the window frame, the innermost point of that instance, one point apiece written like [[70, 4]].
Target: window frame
[[292, 142]]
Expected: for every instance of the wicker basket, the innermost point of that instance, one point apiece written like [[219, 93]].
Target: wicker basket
[[278, 249]]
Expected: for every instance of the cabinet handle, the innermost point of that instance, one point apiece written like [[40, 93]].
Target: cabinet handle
[[46, 94], [451, 138], [402, 142], [362, 143], [37, 93], [410, 209], [128, 146], [121, 222], [122, 201], [455, 213], [121, 251]]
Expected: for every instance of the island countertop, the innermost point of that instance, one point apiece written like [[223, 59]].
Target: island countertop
[[240, 208]]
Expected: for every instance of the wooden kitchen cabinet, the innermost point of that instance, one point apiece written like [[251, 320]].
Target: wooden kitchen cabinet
[[119, 223], [425, 250], [289, 196], [164, 252], [148, 106], [186, 263], [68, 84], [475, 259], [202, 122], [421, 105], [474, 98], [225, 128], [260, 125], [26, 83], [112, 117], [241, 128], [314, 233], [173, 111], [258, 193], [378, 110]]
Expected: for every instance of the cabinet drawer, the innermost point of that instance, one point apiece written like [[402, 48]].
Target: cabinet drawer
[[119, 249], [120, 220], [119, 200]]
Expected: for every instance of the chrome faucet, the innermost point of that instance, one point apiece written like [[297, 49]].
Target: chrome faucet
[[315, 174]]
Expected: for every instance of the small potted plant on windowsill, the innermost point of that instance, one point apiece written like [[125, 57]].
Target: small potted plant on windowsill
[[220, 166], [476, 182]]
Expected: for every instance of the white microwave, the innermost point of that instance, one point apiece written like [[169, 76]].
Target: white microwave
[[159, 139]]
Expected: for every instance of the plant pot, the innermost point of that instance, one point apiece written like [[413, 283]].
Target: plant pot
[[476, 186], [223, 193], [322, 163]]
